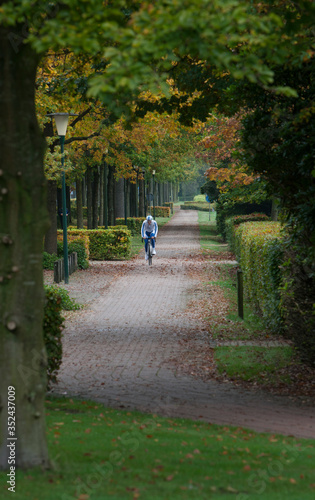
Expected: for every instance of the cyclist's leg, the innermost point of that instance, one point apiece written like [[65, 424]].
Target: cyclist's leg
[[153, 246]]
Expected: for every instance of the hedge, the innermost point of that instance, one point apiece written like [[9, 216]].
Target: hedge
[[226, 211], [259, 250], [233, 222], [76, 235], [104, 244], [195, 205], [169, 204], [109, 244], [161, 212], [133, 224]]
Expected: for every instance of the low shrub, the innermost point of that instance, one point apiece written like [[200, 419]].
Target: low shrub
[[75, 245], [76, 235], [195, 205], [109, 244], [232, 223], [259, 250], [57, 299], [103, 244], [170, 204], [52, 328], [49, 260], [200, 197], [161, 212], [133, 224], [227, 210]]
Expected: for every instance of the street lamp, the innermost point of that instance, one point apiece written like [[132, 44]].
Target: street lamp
[[61, 120], [153, 174]]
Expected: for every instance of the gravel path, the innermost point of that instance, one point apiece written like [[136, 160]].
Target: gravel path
[[120, 349]]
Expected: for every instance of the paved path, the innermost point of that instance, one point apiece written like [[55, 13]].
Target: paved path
[[119, 350]]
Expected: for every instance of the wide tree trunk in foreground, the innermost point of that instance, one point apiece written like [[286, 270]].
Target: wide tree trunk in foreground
[[23, 221]]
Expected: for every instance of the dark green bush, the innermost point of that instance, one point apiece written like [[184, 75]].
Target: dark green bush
[[52, 327], [226, 210], [133, 224], [75, 246], [49, 260], [233, 222], [57, 299], [298, 304]]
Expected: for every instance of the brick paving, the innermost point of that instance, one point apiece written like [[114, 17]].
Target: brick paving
[[118, 349]]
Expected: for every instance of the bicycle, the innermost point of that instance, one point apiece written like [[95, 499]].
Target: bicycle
[[150, 254], [149, 250]]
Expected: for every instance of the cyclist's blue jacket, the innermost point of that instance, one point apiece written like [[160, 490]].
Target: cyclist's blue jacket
[[149, 228]]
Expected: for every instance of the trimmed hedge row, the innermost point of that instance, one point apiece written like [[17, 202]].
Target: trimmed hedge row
[[195, 205], [79, 245], [231, 223], [133, 224], [104, 244], [170, 204], [260, 252], [161, 212]]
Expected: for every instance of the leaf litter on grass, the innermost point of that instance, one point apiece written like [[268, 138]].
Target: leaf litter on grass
[[210, 305]]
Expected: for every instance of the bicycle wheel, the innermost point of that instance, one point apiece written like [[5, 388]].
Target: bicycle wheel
[[150, 252]]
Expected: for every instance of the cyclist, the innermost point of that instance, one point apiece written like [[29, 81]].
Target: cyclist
[[149, 229]]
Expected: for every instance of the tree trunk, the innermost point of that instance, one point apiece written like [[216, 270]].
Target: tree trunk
[[23, 222], [120, 198], [101, 196], [68, 204], [111, 195], [95, 191], [50, 244], [105, 188], [141, 198], [89, 197], [84, 203], [59, 207], [79, 203], [274, 208]]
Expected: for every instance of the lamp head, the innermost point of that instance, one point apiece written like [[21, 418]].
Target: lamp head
[[61, 120]]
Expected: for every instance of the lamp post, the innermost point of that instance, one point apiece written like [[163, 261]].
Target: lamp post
[[61, 120], [153, 175]]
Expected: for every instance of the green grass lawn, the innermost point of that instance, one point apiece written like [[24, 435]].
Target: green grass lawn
[[260, 364], [209, 239], [101, 453]]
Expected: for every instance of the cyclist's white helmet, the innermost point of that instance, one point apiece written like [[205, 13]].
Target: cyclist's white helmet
[[149, 217]]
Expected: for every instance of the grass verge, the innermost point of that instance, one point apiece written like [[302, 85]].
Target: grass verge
[[265, 366], [101, 453], [253, 363]]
